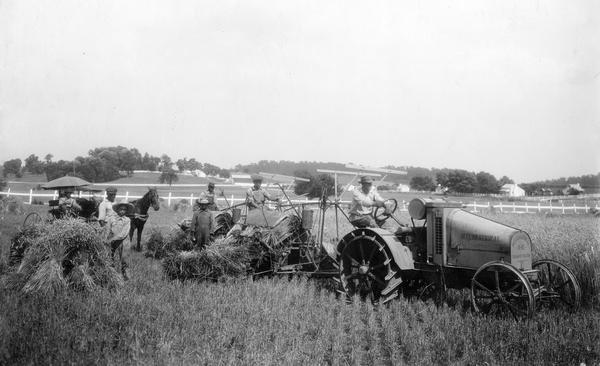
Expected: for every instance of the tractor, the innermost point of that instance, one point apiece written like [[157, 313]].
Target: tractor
[[447, 247]]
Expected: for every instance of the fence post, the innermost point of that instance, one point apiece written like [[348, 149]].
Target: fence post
[[501, 207], [54, 195], [30, 196], [539, 206], [474, 206], [169, 200], [526, 207], [8, 192], [192, 199], [574, 209], [586, 208], [563, 207], [514, 207], [126, 196]]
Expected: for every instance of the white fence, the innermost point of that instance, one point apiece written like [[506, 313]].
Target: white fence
[[506, 207]]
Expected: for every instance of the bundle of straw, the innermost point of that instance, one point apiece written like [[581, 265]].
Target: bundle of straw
[[224, 257], [252, 249], [64, 254], [160, 246], [22, 240]]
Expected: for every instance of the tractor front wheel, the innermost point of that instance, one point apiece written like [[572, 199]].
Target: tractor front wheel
[[500, 289], [557, 286]]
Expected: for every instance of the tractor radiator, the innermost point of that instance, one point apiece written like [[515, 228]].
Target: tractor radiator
[[438, 235]]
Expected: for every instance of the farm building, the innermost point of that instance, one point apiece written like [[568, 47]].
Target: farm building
[[512, 190], [574, 188], [402, 188], [241, 179]]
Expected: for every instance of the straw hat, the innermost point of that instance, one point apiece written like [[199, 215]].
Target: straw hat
[[128, 206], [366, 179]]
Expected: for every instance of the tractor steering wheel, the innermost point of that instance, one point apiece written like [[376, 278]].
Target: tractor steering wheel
[[381, 214]]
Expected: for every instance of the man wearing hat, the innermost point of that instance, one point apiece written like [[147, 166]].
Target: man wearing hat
[[202, 224], [256, 196], [67, 205], [117, 229], [363, 201], [105, 209], [210, 196]]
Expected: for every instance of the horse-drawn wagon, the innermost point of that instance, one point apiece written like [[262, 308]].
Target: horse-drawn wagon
[[88, 206]]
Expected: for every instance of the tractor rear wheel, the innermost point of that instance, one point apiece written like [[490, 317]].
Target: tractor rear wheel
[[364, 266], [558, 286], [500, 289]]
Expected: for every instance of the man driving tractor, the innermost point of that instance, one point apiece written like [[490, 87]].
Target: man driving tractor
[[363, 201]]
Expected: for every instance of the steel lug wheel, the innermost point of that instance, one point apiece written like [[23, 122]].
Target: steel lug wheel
[[500, 289]]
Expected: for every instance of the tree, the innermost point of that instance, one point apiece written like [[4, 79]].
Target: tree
[[150, 162], [505, 180], [316, 186], [442, 179], [58, 169], [12, 167], [486, 183], [168, 175], [461, 181], [420, 183], [48, 158], [210, 169], [34, 165]]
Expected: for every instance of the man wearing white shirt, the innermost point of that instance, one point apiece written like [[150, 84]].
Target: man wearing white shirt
[[105, 210]]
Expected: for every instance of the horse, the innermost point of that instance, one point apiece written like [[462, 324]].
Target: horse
[[140, 215]]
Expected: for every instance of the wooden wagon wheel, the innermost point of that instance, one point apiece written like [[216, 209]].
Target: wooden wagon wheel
[[558, 286], [33, 218], [364, 266], [498, 288]]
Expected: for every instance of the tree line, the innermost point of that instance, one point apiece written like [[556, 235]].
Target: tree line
[[459, 181], [104, 164]]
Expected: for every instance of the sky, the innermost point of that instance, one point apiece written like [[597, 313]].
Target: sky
[[508, 87]]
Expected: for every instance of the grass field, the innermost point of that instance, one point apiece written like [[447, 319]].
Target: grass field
[[276, 321]]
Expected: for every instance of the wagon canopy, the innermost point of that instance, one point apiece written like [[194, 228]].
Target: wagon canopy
[[66, 182]]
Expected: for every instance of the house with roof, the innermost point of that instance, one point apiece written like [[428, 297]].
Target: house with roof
[[512, 190]]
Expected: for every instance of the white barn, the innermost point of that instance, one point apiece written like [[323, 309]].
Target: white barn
[[512, 190]]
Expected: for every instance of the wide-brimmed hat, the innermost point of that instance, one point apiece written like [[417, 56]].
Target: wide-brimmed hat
[[366, 179], [211, 184], [111, 190], [257, 178], [128, 206], [202, 201]]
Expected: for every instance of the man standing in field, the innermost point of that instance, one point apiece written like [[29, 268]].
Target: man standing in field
[[363, 201], [118, 229], [210, 196], [256, 196], [202, 224], [105, 210]]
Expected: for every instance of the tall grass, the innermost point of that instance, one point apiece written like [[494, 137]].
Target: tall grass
[[152, 320]]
